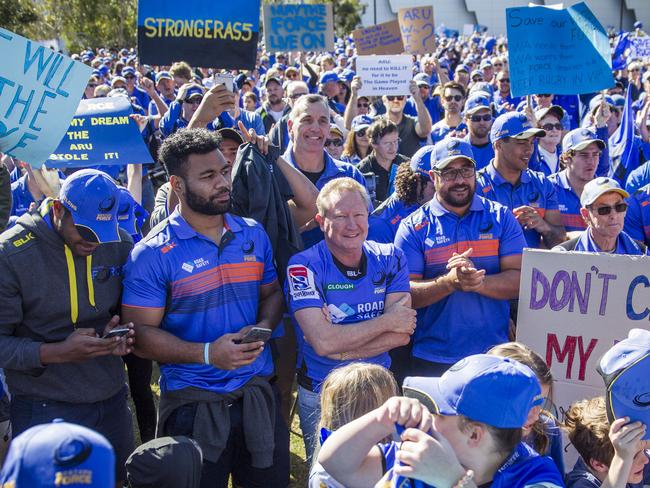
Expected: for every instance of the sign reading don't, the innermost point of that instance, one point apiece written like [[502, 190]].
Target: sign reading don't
[[299, 27]]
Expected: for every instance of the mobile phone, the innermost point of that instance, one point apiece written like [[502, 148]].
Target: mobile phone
[[225, 79], [256, 334], [119, 332]]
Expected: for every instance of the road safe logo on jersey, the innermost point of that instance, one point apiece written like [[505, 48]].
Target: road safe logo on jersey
[[301, 282]]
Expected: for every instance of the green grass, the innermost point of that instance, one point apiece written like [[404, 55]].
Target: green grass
[[299, 468]]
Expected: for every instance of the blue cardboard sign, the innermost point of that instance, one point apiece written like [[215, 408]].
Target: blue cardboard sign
[[101, 132], [560, 51], [219, 34], [299, 27], [39, 92]]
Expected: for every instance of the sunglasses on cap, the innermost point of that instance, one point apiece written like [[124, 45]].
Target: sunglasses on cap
[[363, 105], [479, 118], [619, 208], [390, 98], [334, 142], [549, 127], [449, 98]]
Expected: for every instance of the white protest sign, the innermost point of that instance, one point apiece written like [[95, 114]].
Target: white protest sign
[[468, 30], [385, 75], [640, 48], [574, 306]]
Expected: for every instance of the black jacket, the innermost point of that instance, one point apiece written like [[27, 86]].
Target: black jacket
[[279, 135], [260, 191]]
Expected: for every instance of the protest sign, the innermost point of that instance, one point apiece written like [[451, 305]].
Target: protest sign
[[418, 31], [384, 75], [39, 92], [205, 34], [101, 132], [639, 48], [573, 307], [299, 27], [383, 38], [468, 30], [557, 51]]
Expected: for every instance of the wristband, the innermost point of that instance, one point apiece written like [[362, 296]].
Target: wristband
[[464, 481], [206, 353]]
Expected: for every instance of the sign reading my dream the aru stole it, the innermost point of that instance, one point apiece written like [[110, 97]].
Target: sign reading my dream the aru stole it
[[574, 306], [101, 133], [220, 34], [39, 93]]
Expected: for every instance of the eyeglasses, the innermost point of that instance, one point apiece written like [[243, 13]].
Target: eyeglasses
[[296, 96], [479, 118], [129, 77], [504, 80], [635, 70], [91, 85], [458, 98], [619, 208], [549, 127], [477, 78], [390, 143], [390, 98], [334, 142], [194, 101], [544, 95], [452, 174], [497, 65], [363, 105], [360, 132]]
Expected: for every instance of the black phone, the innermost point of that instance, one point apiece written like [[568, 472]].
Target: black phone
[[119, 332], [256, 334]]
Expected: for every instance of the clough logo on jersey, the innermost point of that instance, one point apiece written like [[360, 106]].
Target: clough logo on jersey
[[301, 282]]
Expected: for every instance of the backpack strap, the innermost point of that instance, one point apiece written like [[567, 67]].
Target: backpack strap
[[571, 244]]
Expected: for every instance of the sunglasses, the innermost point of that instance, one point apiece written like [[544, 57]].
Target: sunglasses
[[194, 101], [497, 65], [504, 80], [549, 127], [129, 77], [91, 85], [479, 118], [334, 142], [363, 105], [390, 98], [361, 133], [296, 96], [545, 95], [619, 208], [458, 98]]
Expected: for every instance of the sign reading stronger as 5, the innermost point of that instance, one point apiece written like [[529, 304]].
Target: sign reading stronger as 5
[[218, 34]]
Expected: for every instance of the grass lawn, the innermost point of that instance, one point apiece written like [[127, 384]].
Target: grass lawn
[[299, 469]]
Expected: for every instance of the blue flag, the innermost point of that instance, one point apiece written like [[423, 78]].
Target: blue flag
[[623, 151], [622, 43]]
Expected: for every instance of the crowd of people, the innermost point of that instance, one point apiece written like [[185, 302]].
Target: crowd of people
[[294, 234]]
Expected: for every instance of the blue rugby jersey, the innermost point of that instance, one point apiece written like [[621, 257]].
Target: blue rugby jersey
[[207, 291], [568, 201], [314, 280], [462, 323], [637, 219], [392, 211]]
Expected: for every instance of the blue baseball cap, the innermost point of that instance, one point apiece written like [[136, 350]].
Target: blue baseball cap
[[638, 24], [328, 76], [422, 79], [483, 86], [599, 186], [462, 67], [476, 72], [477, 101], [490, 389], [193, 91], [163, 75], [515, 125], [128, 70], [625, 368], [92, 198], [347, 75], [450, 148], [59, 454], [421, 161], [486, 63], [593, 104], [126, 218], [619, 100], [103, 69], [580, 138], [361, 122]]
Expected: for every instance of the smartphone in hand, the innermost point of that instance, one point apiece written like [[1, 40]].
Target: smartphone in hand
[[256, 334]]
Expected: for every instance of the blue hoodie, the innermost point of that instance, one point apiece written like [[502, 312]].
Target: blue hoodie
[[581, 477]]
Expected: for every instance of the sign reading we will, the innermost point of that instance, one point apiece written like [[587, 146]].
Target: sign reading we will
[[562, 51], [299, 27], [101, 133], [39, 92], [574, 306]]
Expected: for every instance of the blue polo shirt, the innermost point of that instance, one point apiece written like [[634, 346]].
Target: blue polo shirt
[[638, 178], [314, 280], [637, 219], [569, 202], [624, 245], [21, 196], [440, 130], [462, 323], [207, 291], [392, 211], [482, 154], [533, 189]]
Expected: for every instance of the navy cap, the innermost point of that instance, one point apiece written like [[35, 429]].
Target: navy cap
[[476, 72], [347, 75], [128, 70], [450, 148], [555, 110], [597, 187], [421, 161], [484, 87], [273, 79], [638, 24], [422, 79], [328, 76], [490, 389], [126, 212], [619, 100], [92, 198], [580, 138], [193, 91], [477, 101], [59, 454], [462, 67], [163, 75], [103, 70], [593, 104], [361, 122], [625, 368], [515, 125]]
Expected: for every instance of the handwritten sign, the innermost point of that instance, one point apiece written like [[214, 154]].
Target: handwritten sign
[[383, 38], [299, 27], [206, 34], [574, 306], [384, 75], [418, 31], [640, 48], [39, 92], [101, 132], [562, 51]]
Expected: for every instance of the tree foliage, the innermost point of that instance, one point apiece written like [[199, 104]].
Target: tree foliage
[[18, 15]]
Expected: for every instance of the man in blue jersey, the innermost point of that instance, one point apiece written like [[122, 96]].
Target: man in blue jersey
[[194, 287], [507, 180], [478, 116], [134, 91], [464, 258], [349, 297], [581, 150], [637, 219]]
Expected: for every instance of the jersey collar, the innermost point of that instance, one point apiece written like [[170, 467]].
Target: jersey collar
[[438, 210], [183, 230], [331, 170], [496, 177]]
